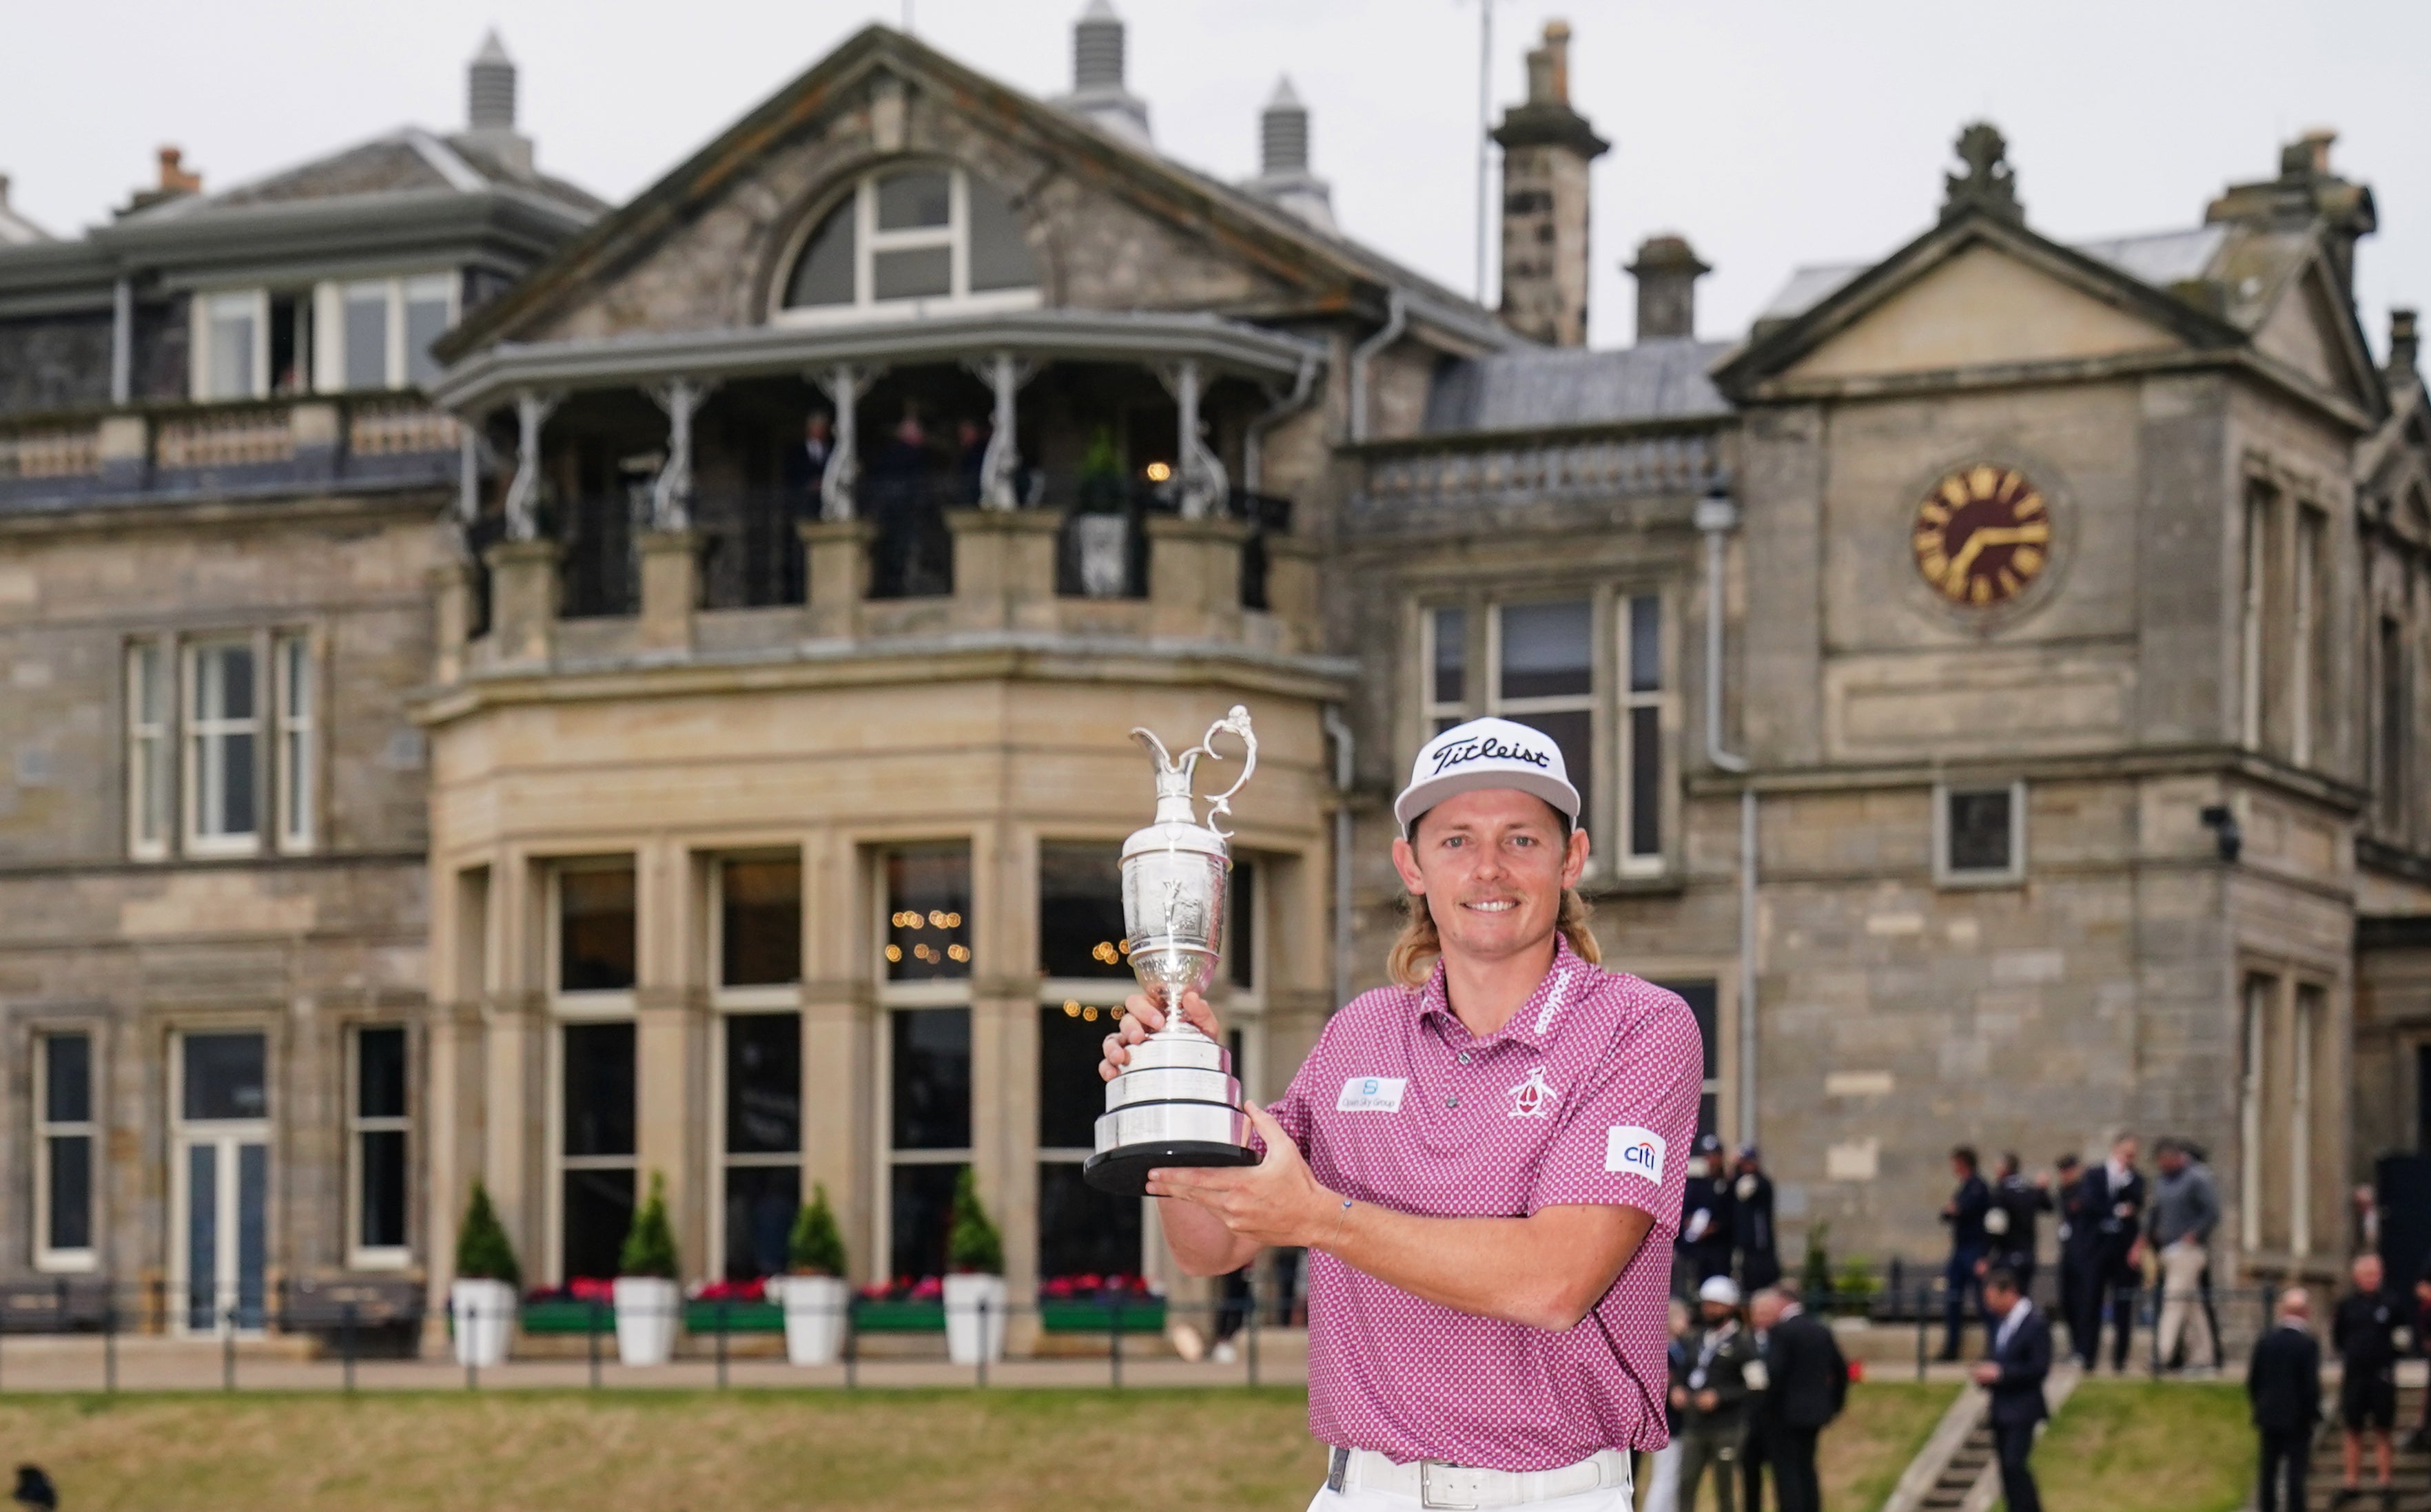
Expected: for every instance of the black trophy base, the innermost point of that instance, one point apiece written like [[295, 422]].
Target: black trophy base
[[1124, 1172]]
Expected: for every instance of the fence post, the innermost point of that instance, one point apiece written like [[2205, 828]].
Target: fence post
[[227, 1351], [346, 1344], [852, 1342], [721, 1343], [984, 1339], [472, 1346], [110, 1344], [591, 1339], [1250, 1326], [1115, 1341], [1922, 1297]]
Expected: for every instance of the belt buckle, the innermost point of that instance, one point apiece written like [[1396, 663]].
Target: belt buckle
[[1448, 1486]]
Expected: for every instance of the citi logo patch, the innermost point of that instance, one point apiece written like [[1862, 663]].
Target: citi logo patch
[[1634, 1151], [1372, 1094]]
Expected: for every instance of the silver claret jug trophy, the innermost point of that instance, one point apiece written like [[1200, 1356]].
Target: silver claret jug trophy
[[1177, 1103]]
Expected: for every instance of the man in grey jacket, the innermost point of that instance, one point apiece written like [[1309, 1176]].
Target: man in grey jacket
[[2186, 1208]]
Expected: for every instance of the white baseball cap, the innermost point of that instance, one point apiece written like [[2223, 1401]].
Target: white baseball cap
[[1719, 1289], [1487, 753]]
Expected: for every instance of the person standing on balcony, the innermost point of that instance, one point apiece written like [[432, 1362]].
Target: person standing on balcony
[[1752, 1222], [1482, 1159], [2185, 1209], [971, 461], [806, 463], [1963, 1275]]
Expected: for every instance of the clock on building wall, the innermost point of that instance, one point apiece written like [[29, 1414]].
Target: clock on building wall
[[1983, 534]]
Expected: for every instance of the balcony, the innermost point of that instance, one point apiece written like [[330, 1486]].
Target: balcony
[[187, 452]]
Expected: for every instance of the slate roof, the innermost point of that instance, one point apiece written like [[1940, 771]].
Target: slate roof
[[1540, 388], [404, 161]]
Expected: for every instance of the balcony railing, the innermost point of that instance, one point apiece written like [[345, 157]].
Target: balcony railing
[[249, 447]]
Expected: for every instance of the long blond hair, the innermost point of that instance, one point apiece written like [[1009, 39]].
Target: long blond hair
[[1413, 958]]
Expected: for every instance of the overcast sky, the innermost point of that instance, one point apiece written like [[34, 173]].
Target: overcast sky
[[1771, 132]]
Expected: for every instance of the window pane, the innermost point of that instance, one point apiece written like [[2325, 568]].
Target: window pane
[[1703, 1000], [425, 321], [1241, 919], [382, 1195], [1979, 830], [927, 913], [1070, 1096], [1570, 730], [202, 1235], [295, 679], [1645, 781], [824, 274], [223, 688], [367, 335], [1645, 643], [1080, 911], [1546, 650], [598, 1210], [67, 1078], [759, 923], [999, 253], [763, 1084], [1450, 669], [227, 1077], [230, 372], [596, 930], [379, 1074], [144, 679], [1083, 1231], [920, 1200], [918, 272], [598, 1089], [234, 789], [71, 1192], [921, 196], [933, 1079], [760, 1203]]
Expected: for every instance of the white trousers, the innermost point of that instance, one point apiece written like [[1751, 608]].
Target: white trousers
[[2182, 1268], [1607, 1499], [1663, 1487]]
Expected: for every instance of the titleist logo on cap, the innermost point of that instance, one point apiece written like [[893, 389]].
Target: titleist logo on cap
[[1487, 748]]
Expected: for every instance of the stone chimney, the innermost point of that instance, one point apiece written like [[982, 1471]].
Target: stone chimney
[[490, 110], [177, 182], [1547, 148], [2307, 193], [1098, 94], [2403, 348], [1667, 271], [1284, 174]]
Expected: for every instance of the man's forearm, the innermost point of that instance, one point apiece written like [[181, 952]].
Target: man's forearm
[[1199, 1242], [1521, 1269]]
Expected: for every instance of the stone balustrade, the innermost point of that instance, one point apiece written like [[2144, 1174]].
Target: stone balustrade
[[228, 450]]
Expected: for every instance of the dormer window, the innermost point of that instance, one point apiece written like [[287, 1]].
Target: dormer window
[[907, 240]]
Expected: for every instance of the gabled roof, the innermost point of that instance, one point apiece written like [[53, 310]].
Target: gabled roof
[[1328, 271]]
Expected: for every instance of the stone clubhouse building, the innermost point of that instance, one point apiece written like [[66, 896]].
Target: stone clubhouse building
[[503, 687]]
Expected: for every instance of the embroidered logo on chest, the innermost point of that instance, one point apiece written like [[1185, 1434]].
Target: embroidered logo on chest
[[1534, 1097]]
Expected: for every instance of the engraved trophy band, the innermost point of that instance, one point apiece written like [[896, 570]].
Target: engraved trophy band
[[1177, 1102]]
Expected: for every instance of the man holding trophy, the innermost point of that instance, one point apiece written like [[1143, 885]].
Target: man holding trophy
[[1475, 1156]]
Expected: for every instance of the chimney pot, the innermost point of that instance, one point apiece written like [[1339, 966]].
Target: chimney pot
[[490, 88], [1666, 271], [1098, 94], [1547, 148], [175, 178]]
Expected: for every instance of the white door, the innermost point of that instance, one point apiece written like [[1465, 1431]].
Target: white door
[[220, 1245]]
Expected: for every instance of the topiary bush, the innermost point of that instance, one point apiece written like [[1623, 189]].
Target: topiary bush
[[972, 1243], [817, 1247], [650, 1243], [483, 1252]]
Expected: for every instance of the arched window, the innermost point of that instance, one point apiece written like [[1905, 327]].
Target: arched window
[[910, 237]]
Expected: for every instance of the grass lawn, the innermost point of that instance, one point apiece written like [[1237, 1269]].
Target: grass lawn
[[2137, 1446], [1861, 1454], [1000, 1450]]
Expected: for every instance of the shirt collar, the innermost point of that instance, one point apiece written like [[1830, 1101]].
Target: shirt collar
[[1538, 1018], [2016, 1315]]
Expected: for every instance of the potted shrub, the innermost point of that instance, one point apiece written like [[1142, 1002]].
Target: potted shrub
[[815, 1294], [481, 1299], [975, 1281], [646, 1300]]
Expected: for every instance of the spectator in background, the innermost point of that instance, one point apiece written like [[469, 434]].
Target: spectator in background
[[1662, 1480], [1711, 1396], [970, 459], [1805, 1383], [806, 462], [2014, 1372], [2185, 1209], [2364, 1332], [1705, 1218], [2419, 1439], [2111, 1197], [2010, 1224], [2284, 1383], [1752, 1223], [2075, 1234], [1963, 1275], [1231, 1314]]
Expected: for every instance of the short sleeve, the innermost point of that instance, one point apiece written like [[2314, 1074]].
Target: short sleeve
[[1626, 1141]]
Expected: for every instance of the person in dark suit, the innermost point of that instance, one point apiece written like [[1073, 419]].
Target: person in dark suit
[[2111, 1197], [1705, 1218], [2284, 1383], [2011, 1224], [35, 1492], [2020, 1360], [1964, 1213], [1806, 1385], [806, 462], [2364, 1332], [1751, 1229], [2074, 1232]]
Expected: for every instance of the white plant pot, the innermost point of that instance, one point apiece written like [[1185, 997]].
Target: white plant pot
[[814, 1309], [974, 1318], [646, 1319], [483, 1313]]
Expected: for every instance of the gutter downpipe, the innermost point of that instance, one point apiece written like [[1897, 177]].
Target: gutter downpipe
[[1718, 516], [1253, 443], [1337, 729], [1396, 321]]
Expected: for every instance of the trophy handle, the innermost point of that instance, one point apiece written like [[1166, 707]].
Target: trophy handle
[[1237, 721]]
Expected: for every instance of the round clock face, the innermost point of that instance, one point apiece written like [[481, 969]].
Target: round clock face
[[1982, 535]]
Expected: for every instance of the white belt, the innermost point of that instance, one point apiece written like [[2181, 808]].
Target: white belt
[[1432, 1483]]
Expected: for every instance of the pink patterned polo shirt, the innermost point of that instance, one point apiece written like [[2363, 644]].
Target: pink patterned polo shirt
[[1587, 1095]]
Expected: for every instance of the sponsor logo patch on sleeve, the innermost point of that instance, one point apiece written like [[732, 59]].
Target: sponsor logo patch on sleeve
[[1634, 1151], [1372, 1094]]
